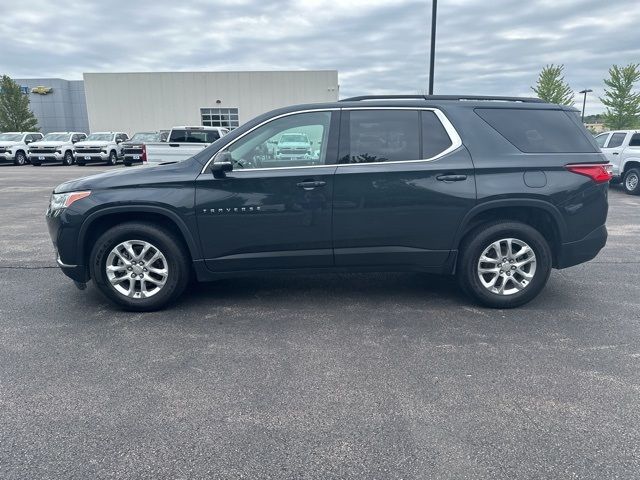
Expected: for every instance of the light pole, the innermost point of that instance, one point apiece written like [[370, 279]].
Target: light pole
[[584, 100], [432, 59]]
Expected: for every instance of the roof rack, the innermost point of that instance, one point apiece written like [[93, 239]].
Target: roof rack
[[443, 97]]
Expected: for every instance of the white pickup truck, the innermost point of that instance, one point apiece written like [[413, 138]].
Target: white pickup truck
[[182, 143], [622, 149]]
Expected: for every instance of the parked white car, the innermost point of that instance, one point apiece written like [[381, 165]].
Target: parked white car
[[15, 145], [100, 147], [183, 142], [54, 147], [622, 149]]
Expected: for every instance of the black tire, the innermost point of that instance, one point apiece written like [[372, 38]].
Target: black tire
[[113, 158], [175, 254], [631, 181], [67, 160], [481, 238], [81, 163], [35, 163], [20, 158]]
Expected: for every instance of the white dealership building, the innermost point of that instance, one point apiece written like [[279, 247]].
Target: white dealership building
[[133, 102]]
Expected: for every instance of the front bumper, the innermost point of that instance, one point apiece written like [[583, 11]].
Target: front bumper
[[64, 235], [7, 157], [91, 157], [45, 157], [574, 253]]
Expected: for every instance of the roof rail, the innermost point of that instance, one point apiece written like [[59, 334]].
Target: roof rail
[[444, 97]]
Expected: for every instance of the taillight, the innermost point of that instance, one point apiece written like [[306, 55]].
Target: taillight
[[598, 172], [144, 153]]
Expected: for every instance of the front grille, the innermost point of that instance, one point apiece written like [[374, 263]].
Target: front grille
[[292, 151], [42, 150], [137, 150], [2, 150], [87, 150]]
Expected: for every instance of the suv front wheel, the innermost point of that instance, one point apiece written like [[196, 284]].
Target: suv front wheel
[[504, 264], [139, 266]]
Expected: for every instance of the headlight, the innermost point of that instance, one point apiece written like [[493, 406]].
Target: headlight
[[60, 201]]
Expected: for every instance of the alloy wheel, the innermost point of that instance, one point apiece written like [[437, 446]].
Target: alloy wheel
[[631, 182], [136, 269], [507, 266]]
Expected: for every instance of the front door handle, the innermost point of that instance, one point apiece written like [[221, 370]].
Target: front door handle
[[451, 178], [311, 184], [616, 153]]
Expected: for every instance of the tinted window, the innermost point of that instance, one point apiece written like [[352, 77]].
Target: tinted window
[[616, 140], [194, 136], [635, 140], [294, 140], [601, 139], [382, 136], [435, 138], [537, 131]]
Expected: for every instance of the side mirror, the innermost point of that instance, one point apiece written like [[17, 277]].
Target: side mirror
[[222, 163]]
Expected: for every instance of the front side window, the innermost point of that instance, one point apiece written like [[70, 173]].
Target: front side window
[[382, 136], [295, 140], [601, 139]]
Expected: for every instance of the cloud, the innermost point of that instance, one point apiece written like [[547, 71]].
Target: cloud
[[378, 46]]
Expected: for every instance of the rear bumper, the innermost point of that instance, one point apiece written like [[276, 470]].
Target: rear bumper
[[574, 253]]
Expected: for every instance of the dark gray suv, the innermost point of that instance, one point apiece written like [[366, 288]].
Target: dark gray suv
[[495, 190]]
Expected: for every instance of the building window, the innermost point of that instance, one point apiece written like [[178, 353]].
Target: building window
[[220, 117]]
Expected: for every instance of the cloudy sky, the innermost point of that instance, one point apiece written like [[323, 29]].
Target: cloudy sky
[[378, 46]]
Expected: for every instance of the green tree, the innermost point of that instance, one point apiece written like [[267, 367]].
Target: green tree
[[551, 86], [623, 105], [15, 115]]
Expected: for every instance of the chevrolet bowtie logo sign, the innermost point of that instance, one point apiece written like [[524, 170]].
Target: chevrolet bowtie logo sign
[[41, 90]]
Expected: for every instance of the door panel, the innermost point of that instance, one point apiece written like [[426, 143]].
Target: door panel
[[613, 150], [390, 208], [274, 209], [263, 219], [400, 213]]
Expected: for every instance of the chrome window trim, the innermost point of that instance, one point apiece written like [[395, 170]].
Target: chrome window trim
[[456, 141]]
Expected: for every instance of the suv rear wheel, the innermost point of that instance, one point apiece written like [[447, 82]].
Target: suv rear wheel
[[504, 264], [631, 181], [139, 266]]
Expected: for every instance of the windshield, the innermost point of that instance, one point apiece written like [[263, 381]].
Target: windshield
[[294, 139], [57, 137], [10, 137], [144, 137], [100, 137]]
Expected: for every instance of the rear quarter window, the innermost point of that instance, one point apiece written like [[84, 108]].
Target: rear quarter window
[[537, 130]]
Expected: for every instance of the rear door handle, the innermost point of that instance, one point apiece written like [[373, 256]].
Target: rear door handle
[[311, 184], [451, 178]]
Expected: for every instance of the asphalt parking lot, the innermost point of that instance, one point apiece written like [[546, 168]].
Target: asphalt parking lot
[[336, 376]]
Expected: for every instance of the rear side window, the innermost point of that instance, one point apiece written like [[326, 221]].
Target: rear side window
[[194, 136], [382, 136], [537, 131], [616, 140], [635, 140], [435, 138]]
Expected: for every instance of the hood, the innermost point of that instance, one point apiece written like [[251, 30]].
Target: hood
[[8, 143], [50, 143], [93, 143], [134, 176]]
